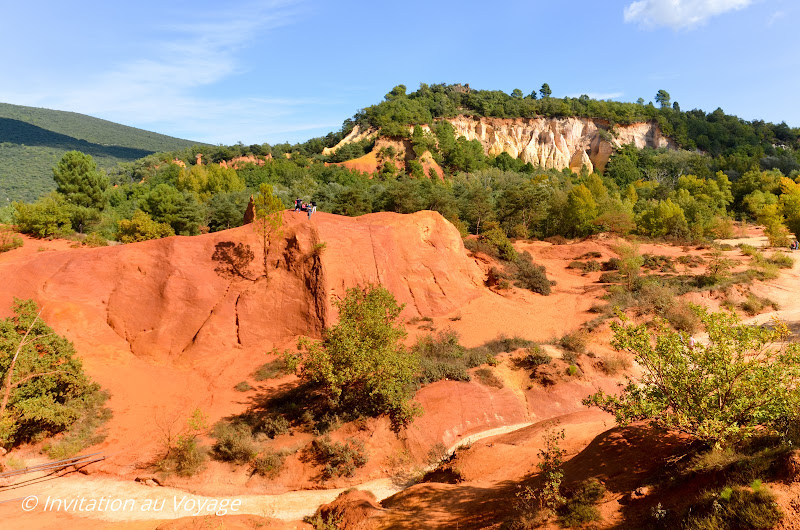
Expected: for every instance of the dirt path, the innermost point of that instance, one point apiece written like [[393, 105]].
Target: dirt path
[[115, 500]]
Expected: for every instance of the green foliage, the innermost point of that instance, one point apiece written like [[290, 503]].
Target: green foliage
[[736, 507], [574, 342], [550, 466], [268, 221], [272, 369], [234, 443], [243, 386], [34, 139], [79, 181], [8, 239], [142, 228], [182, 454], [268, 463], [50, 216], [362, 364], [742, 379], [441, 356], [337, 459], [487, 377], [44, 390], [580, 508], [178, 209], [530, 276]]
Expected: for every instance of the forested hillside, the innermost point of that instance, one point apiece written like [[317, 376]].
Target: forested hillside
[[723, 169], [32, 140]]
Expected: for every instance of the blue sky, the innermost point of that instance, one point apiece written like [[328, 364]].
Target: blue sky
[[260, 71]]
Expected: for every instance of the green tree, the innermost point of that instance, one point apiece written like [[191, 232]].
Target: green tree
[[80, 182], [545, 91], [662, 98], [44, 388], [741, 379], [268, 222], [580, 211], [179, 209], [362, 364]]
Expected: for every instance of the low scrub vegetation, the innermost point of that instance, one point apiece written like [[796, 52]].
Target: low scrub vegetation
[[336, 459]]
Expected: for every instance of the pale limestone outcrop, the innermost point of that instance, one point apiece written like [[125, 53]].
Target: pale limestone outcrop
[[546, 142], [356, 135]]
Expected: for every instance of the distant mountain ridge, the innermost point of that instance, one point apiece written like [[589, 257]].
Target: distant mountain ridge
[[32, 140]]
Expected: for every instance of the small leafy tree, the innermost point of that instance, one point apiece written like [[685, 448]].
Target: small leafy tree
[[743, 378], [268, 222], [44, 389], [50, 216], [362, 364], [552, 460]]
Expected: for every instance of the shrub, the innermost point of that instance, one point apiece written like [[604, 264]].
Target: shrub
[[682, 317], [736, 507], [504, 344], [243, 386], [531, 276], [142, 228], [572, 370], [579, 508], [611, 265], [338, 459], [614, 364], [691, 389], [47, 391], [591, 254], [535, 357], [574, 341], [782, 260], [234, 443], [272, 369], [754, 305], [267, 464], [487, 377], [8, 239], [497, 239], [610, 277], [441, 356], [95, 240], [85, 431], [362, 364], [50, 216], [272, 425]]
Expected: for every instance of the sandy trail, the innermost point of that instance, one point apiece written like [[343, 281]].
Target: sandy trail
[[92, 497]]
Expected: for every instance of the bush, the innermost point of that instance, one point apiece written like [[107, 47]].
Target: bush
[[234, 443], [94, 240], [85, 431], [503, 344], [574, 342], [682, 317], [50, 216], [535, 357], [441, 356], [691, 389], [142, 228], [782, 260], [8, 239], [272, 425], [614, 364], [500, 244], [754, 305], [531, 276], [362, 364], [267, 464], [272, 369], [487, 377], [243, 386], [49, 392], [579, 508], [736, 507], [336, 458]]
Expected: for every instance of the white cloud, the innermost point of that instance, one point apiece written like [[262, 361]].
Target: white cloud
[[678, 14], [163, 87]]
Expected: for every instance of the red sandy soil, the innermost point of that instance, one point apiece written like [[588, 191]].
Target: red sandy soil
[[165, 334]]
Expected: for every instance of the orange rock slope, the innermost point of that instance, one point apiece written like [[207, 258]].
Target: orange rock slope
[[165, 329]]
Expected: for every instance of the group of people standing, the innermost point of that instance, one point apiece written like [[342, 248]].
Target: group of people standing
[[300, 206]]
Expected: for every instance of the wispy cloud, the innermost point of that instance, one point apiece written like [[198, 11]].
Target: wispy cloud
[[774, 17], [162, 87], [678, 14]]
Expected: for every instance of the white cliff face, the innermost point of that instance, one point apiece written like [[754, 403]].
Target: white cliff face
[[557, 142], [547, 142], [356, 135]]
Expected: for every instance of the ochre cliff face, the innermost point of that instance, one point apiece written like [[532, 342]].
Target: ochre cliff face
[[547, 142]]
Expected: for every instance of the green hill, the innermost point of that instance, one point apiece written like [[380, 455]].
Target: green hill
[[32, 140]]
